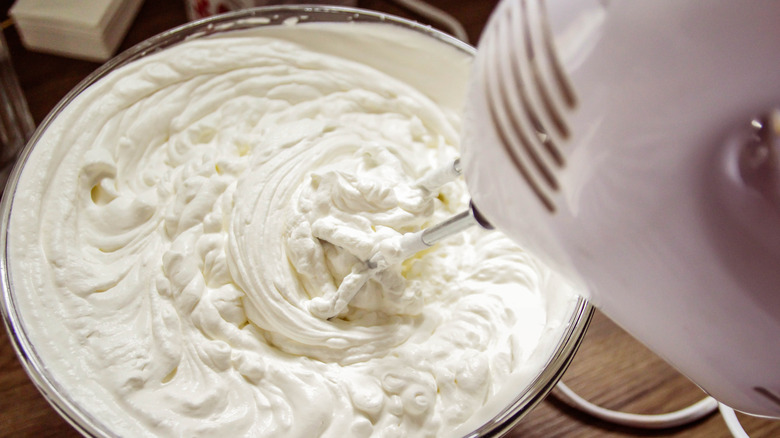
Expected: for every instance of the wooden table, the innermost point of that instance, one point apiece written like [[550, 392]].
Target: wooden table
[[611, 368]]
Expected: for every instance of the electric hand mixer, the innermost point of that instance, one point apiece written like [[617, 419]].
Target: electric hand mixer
[[635, 147]]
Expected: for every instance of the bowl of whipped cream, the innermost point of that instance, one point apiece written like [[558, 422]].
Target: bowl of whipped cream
[[171, 220]]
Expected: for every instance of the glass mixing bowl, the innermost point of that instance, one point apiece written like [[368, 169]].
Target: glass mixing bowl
[[557, 354]]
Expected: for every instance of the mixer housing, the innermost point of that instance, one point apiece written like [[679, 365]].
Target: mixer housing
[[633, 145]]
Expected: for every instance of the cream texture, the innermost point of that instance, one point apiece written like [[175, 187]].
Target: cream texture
[[173, 224]]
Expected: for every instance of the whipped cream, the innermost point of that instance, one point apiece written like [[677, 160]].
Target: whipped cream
[[176, 220]]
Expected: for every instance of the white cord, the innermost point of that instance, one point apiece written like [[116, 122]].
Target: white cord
[[696, 411], [732, 422], [435, 14]]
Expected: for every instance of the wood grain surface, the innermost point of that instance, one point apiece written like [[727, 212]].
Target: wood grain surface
[[611, 368]]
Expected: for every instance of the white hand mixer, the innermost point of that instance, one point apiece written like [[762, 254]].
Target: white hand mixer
[[635, 146]]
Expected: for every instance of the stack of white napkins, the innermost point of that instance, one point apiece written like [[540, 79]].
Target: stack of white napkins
[[84, 29]]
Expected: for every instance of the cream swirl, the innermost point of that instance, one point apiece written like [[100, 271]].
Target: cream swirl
[[175, 220]]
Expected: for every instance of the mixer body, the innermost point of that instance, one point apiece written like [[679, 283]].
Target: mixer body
[[625, 156]]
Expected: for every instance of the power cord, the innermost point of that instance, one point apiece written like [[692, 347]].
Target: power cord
[[732, 422], [688, 415], [682, 417]]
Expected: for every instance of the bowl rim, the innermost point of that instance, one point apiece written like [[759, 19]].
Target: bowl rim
[[77, 416]]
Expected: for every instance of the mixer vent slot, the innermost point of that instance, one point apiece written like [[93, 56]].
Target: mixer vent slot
[[528, 93], [768, 394]]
